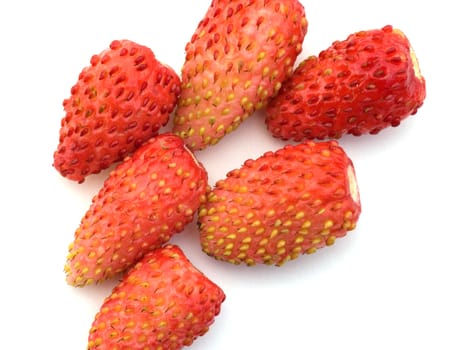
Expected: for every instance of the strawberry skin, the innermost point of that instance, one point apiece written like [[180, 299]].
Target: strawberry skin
[[283, 204], [163, 302], [361, 85], [237, 59], [148, 198], [122, 99]]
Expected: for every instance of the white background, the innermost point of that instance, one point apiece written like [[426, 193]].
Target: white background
[[401, 280]]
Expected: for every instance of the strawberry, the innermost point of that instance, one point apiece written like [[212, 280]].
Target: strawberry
[[283, 204], [237, 59], [163, 302], [148, 198], [122, 99], [361, 85]]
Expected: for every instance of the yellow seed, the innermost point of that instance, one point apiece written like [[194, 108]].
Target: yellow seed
[[274, 233], [306, 196], [212, 211], [250, 262], [277, 86], [242, 230], [306, 224], [267, 259], [249, 107], [242, 255], [247, 240], [242, 189], [299, 215], [299, 240], [280, 53], [328, 224], [256, 223], [331, 240], [97, 342], [281, 244], [297, 250]]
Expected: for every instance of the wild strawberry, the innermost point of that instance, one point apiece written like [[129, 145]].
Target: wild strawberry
[[283, 204], [237, 59], [148, 198], [361, 85], [122, 99], [163, 302]]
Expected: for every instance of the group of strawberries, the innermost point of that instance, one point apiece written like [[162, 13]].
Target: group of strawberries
[[283, 204]]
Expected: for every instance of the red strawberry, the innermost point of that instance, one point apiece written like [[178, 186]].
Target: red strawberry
[[122, 99], [361, 85], [148, 198], [163, 302], [236, 60], [281, 205]]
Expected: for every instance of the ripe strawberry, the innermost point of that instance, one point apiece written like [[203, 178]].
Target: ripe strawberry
[[148, 198], [283, 204], [237, 59], [163, 302], [361, 85], [122, 99]]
